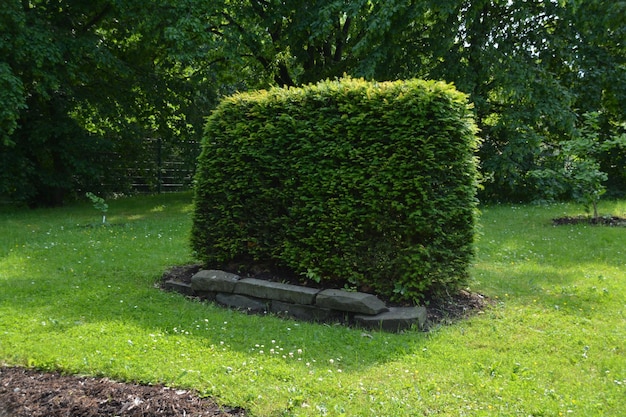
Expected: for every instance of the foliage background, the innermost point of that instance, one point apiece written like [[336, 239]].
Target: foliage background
[[81, 79]]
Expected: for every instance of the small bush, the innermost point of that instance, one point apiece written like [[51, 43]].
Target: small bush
[[373, 183]]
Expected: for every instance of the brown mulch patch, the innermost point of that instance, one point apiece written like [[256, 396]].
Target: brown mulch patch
[[29, 393], [614, 221]]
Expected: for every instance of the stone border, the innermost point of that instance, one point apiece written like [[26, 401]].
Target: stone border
[[302, 303]]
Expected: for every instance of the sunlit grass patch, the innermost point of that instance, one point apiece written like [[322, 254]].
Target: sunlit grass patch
[[82, 300]]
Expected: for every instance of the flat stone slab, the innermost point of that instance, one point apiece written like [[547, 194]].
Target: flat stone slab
[[355, 302], [242, 302], [302, 312], [214, 281], [294, 294], [302, 303], [179, 287], [396, 319]]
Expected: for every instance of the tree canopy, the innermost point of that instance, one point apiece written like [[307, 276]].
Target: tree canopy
[[82, 80]]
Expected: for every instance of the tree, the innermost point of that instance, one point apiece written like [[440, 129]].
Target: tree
[[596, 76], [526, 65], [296, 42], [84, 80], [530, 68], [578, 173]]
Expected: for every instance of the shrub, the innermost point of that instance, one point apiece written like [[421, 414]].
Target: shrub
[[577, 167], [373, 183]]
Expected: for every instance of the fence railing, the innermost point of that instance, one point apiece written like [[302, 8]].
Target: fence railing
[[158, 167]]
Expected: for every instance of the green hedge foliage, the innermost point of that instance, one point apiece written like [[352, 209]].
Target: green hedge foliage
[[370, 183]]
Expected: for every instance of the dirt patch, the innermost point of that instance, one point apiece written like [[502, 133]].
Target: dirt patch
[[29, 393], [614, 221]]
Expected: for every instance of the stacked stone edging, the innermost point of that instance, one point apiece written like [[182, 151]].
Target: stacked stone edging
[[302, 303]]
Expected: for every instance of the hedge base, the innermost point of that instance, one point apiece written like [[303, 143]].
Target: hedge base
[[300, 303]]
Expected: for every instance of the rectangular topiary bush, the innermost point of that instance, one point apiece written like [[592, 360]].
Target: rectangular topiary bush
[[371, 183]]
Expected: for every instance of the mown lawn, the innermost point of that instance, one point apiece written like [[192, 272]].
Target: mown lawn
[[81, 298]]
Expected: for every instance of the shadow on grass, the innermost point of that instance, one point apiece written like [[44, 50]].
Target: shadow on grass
[[127, 311]]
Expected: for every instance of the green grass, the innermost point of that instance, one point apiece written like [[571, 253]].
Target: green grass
[[82, 300]]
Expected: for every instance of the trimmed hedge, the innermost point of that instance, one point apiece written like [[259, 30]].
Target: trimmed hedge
[[373, 183]]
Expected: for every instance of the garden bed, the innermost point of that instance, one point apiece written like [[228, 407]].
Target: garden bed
[[29, 393], [447, 310], [600, 221]]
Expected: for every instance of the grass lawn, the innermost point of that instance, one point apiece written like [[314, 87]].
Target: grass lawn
[[82, 299]]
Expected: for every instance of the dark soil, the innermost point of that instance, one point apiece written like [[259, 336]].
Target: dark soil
[[31, 393], [600, 221]]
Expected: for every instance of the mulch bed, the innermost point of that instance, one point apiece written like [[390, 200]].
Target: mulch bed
[[29, 393], [614, 221]]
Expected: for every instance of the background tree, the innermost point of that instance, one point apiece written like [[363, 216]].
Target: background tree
[[596, 76], [528, 66], [83, 81]]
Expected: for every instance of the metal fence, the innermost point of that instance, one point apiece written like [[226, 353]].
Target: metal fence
[[157, 167]]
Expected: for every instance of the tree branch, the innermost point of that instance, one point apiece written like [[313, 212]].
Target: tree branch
[[342, 37], [97, 18]]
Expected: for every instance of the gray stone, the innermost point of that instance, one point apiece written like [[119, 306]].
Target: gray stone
[[396, 319], [179, 287], [206, 295], [241, 302], [212, 280], [302, 312], [276, 291], [356, 302]]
